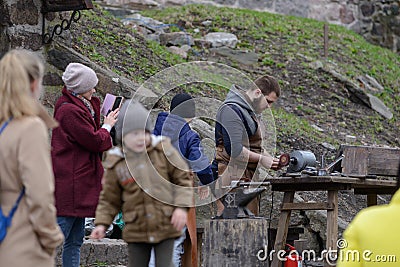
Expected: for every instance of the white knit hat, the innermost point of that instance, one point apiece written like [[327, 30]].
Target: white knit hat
[[79, 78]]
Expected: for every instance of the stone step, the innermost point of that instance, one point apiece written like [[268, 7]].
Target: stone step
[[104, 253]]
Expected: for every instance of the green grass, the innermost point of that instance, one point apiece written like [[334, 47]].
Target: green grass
[[142, 61], [295, 36], [280, 39]]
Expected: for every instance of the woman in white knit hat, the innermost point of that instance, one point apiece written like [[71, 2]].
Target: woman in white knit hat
[[76, 153]]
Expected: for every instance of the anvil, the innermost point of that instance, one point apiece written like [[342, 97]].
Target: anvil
[[236, 200]]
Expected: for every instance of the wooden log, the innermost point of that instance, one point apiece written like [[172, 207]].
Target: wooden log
[[235, 242]]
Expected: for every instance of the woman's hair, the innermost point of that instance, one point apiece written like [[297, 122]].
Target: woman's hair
[[18, 69]]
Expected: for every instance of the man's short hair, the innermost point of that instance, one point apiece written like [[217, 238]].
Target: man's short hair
[[268, 84]]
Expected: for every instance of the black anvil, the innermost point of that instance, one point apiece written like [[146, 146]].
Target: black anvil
[[236, 200]]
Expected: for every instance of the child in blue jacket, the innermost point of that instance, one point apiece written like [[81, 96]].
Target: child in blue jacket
[[175, 125]]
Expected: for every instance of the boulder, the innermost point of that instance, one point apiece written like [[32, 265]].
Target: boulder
[[218, 39]]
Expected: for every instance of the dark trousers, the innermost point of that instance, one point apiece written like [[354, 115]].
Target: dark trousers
[[139, 253]]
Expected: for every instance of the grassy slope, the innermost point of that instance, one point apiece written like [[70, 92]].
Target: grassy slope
[[282, 37], [286, 46]]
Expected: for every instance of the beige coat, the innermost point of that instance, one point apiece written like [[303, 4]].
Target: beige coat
[[25, 161], [146, 218]]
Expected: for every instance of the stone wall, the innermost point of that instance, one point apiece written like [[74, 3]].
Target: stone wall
[[20, 24], [380, 22]]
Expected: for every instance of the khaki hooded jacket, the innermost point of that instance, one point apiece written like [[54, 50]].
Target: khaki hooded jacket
[[25, 162], [147, 187]]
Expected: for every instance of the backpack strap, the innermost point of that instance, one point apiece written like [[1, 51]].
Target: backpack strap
[[14, 208], [5, 125]]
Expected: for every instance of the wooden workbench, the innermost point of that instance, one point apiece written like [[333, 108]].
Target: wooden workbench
[[331, 184]]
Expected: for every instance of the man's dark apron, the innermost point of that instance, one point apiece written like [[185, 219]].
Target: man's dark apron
[[232, 170]]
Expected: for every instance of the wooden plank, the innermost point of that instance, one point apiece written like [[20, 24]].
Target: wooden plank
[[372, 200], [368, 160], [301, 179], [307, 206], [383, 162], [313, 180], [282, 231], [355, 161], [316, 183], [311, 187], [378, 191], [332, 222], [375, 183]]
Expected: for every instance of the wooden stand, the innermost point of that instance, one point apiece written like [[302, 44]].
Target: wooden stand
[[286, 210], [330, 184]]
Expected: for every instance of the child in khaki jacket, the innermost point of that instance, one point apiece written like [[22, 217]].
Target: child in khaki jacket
[[150, 182]]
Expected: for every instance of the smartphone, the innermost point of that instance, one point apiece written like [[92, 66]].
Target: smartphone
[[111, 102], [117, 103]]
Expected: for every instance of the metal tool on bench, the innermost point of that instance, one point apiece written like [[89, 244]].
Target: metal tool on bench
[[302, 162], [241, 194], [327, 170]]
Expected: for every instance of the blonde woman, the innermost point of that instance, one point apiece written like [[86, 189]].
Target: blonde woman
[[25, 164]]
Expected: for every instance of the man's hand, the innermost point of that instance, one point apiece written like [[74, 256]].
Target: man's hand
[[268, 162], [179, 218], [98, 232], [275, 164]]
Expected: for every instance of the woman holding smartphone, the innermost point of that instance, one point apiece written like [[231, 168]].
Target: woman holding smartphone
[[77, 148]]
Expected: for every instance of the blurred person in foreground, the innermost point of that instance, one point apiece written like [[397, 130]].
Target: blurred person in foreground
[[25, 164], [148, 180], [372, 237]]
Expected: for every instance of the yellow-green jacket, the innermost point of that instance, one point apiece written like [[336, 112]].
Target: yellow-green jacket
[[373, 237], [145, 187]]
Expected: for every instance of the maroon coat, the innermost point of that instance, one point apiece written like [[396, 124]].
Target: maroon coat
[[77, 145]]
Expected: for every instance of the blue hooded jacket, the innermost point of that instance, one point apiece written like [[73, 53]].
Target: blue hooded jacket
[[187, 142]]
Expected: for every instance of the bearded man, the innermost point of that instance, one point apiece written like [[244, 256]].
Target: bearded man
[[238, 134]]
